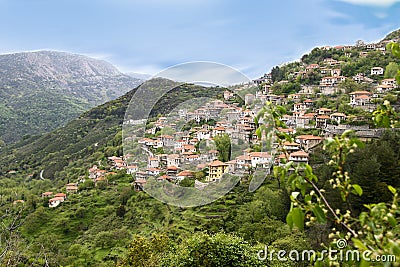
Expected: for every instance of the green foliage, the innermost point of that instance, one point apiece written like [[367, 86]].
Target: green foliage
[[391, 70], [286, 88], [349, 85], [385, 116], [395, 48], [223, 145], [213, 250], [143, 252]]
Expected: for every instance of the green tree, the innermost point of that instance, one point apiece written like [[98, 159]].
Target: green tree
[[144, 252], [391, 70], [223, 145], [213, 250]]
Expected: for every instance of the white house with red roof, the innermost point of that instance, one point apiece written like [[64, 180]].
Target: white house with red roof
[[262, 159], [338, 117], [321, 121], [360, 98], [131, 169], [299, 157], [308, 141], [55, 201]]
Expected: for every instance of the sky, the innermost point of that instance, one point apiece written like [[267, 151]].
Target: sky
[[147, 36]]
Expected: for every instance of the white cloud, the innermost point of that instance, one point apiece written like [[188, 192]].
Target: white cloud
[[379, 3]]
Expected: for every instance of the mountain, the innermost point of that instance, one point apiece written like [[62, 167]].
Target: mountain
[[141, 76], [41, 91]]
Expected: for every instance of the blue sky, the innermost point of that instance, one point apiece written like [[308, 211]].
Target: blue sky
[[149, 35]]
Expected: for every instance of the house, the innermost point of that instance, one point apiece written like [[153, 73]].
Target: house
[[308, 141], [139, 184], [338, 117], [332, 80], [309, 103], [184, 174], [192, 158], [321, 121], [189, 148], [61, 195], [377, 71], [324, 111], [359, 98], [361, 78], [312, 67], [212, 155], [164, 178], [166, 140], [54, 202], [231, 166], [153, 171], [172, 170], [262, 159], [228, 95], [203, 134], [153, 162], [299, 107], [291, 146], [243, 161], [71, 188], [47, 194], [118, 162], [219, 130], [303, 121], [336, 72], [331, 61], [390, 82], [383, 88], [18, 201], [95, 172], [299, 157], [216, 170], [173, 160], [131, 169], [325, 71]]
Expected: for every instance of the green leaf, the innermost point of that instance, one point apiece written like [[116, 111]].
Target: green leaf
[[392, 221], [258, 133], [318, 264], [357, 189], [298, 218], [358, 244], [347, 133], [308, 170], [392, 189], [386, 121], [319, 213], [364, 263], [289, 219]]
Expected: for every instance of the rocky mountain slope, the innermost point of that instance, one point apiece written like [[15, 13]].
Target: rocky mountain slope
[[40, 91]]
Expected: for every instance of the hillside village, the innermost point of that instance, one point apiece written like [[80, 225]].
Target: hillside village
[[318, 104]]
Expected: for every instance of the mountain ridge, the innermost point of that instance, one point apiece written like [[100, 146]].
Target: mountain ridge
[[43, 90]]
